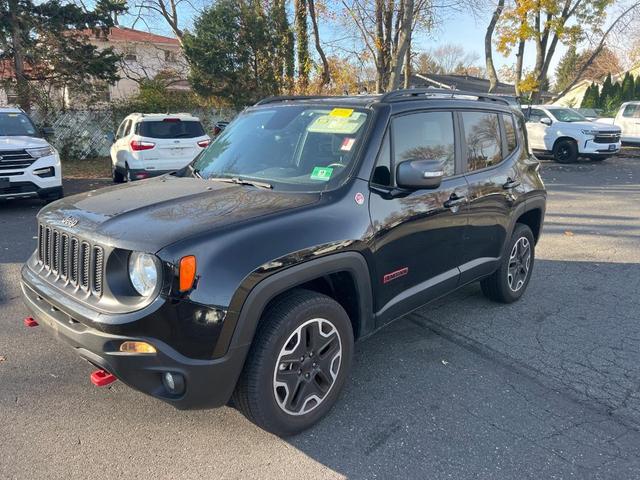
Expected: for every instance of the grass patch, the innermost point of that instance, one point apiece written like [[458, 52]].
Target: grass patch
[[98, 167]]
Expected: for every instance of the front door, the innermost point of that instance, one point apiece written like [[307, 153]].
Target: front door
[[418, 234], [536, 129], [629, 121]]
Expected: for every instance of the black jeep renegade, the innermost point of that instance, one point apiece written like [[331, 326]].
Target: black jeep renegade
[[309, 223]]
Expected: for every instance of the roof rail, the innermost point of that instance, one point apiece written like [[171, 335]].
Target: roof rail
[[288, 98], [411, 93]]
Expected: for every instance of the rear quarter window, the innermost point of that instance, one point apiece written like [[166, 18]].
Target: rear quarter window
[[170, 129]]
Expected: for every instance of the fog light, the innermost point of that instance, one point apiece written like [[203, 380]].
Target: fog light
[[173, 382], [45, 172], [137, 347]]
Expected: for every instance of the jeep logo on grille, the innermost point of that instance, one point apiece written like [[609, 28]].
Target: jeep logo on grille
[[70, 221]]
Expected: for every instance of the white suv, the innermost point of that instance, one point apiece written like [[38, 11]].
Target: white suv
[[566, 134], [147, 145], [29, 166]]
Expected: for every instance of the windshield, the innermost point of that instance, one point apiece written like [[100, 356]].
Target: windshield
[[170, 128], [13, 124], [567, 115], [292, 147]]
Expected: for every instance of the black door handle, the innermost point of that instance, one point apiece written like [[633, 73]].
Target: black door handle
[[511, 184], [454, 201]]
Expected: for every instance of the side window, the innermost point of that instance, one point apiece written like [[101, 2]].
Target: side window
[[425, 136], [509, 133], [535, 116], [482, 135], [120, 132], [382, 171], [128, 129], [631, 111]]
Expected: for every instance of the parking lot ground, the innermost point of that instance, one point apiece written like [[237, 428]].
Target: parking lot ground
[[548, 387]]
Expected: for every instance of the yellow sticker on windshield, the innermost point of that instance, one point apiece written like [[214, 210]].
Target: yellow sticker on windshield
[[340, 125], [341, 112]]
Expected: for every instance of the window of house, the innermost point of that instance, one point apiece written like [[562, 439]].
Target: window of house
[[425, 136], [510, 133], [482, 135], [129, 53]]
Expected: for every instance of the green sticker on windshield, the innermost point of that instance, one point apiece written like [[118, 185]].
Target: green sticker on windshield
[[321, 173]]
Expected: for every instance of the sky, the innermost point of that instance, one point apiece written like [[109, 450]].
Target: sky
[[458, 28]]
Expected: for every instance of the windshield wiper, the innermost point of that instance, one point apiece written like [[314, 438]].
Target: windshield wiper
[[242, 181]]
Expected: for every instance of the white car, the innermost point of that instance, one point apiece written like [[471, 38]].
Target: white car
[[29, 166], [565, 134], [147, 145], [628, 119]]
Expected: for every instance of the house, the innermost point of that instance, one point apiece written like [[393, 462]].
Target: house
[[573, 98], [144, 56]]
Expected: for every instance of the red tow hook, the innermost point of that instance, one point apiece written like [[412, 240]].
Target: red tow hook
[[100, 378], [30, 322]]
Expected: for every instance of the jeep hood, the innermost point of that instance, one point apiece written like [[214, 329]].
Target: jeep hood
[[151, 214]]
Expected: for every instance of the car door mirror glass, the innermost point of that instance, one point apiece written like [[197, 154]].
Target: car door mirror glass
[[47, 131], [416, 174], [545, 121], [110, 137]]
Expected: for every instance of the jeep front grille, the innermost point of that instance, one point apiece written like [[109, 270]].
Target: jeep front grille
[[71, 260]]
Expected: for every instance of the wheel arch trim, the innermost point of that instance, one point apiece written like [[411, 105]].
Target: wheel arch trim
[[267, 289]]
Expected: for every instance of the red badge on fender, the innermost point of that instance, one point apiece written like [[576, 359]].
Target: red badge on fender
[[359, 198]]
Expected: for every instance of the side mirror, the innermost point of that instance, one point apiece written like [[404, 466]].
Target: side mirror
[[545, 121], [47, 131], [419, 174], [110, 137]]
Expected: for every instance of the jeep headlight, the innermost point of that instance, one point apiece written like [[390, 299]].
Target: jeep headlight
[[590, 132], [143, 272], [41, 152]]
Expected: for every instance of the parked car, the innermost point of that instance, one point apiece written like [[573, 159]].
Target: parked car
[[565, 134], [147, 145], [219, 126], [307, 224], [592, 114], [628, 119], [29, 165]]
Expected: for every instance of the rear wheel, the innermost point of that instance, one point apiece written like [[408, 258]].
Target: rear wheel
[[127, 174], [116, 175], [297, 364], [508, 283], [565, 151]]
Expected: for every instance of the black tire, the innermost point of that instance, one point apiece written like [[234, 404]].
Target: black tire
[[565, 151], [117, 175], [127, 174], [499, 285], [261, 397]]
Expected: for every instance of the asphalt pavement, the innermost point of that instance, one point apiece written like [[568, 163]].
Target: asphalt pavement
[[548, 387]]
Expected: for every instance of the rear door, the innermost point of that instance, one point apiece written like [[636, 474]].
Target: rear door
[[419, 233], [121, 145], [491, 148], [176, 142]]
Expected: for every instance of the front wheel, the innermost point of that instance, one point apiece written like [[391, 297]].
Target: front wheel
[[508, 283], [565, 151], [297, 364]]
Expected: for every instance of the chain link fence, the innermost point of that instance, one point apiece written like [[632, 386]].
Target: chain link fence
[[82, 134]]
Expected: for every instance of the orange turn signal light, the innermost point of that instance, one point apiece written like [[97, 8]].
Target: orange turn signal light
[[187, 273], [137, 347]]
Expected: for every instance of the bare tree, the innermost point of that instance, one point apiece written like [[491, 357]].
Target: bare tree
[[325, 77], [488, 46]]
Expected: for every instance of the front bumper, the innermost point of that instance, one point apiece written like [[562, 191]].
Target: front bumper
[[208, 383], [589, 147], [24, 183]]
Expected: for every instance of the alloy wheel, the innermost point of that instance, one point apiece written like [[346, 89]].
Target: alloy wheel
[[519, 263], [307, 366]]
